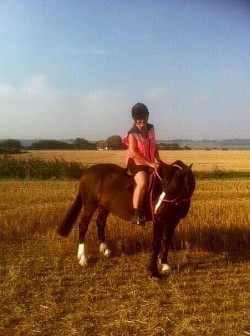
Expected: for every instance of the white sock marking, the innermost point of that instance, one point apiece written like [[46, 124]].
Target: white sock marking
[[166, 268], [81, 255], [104, 249]]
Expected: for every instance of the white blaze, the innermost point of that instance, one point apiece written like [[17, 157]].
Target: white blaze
[[159, 201]]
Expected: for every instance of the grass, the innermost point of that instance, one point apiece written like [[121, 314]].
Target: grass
[[35, 168], [202, 160], [45, 292], [48, 294], [44, 168]]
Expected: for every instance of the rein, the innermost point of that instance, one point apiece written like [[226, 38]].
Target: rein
[[177, 200]]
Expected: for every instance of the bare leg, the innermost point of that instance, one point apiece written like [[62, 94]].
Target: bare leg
[[141, 180]]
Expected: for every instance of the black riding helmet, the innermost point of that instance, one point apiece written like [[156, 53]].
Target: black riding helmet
[[139, 111]]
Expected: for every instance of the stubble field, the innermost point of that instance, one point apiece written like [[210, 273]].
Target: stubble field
[[205, 160], [45, 292]]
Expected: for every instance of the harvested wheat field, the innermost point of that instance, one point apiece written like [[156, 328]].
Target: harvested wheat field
[[233, 160], [44, 291]]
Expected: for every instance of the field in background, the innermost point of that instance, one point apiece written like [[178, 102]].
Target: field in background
[[236, 160], [45, 292]]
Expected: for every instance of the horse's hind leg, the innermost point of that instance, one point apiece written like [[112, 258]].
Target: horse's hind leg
[[83, 228], [101, 223]]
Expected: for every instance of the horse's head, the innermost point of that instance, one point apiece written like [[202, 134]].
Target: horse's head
[[178, 181], [178, 184]]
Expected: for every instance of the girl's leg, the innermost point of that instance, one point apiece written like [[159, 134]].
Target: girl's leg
[[141, 180]]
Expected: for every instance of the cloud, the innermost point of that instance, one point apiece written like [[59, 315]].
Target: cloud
[[85, 51], [35, 85], [156, 93], [94, 51], [6, 90], [36, 110], [199, 99]]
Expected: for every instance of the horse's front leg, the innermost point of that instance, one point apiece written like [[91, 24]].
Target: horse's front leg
[[101, 223], [167, 239], [158, 228], [83, 228]]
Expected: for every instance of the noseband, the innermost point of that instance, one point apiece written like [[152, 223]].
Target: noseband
[[177, 200]]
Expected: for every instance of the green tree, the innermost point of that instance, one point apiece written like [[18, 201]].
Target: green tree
[[115, 142], [82, 144], [50, 144], [11, 144]]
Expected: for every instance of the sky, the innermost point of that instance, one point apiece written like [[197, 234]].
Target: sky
[[73, 69]]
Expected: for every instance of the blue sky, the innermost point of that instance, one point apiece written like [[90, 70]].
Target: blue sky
[[74, 68]]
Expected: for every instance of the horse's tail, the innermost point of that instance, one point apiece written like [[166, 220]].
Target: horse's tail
[[71, 216]]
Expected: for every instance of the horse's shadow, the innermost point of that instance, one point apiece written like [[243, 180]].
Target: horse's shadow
[[232, 243]]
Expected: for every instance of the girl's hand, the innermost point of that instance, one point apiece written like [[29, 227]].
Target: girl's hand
[[154, 165]]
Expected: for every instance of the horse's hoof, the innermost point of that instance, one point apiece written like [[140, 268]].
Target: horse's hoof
[[166, 268], [105, 250], [155, 274], [107, 253], [83, 261]]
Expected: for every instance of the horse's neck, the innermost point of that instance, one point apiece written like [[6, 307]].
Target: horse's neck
[[166, 172]]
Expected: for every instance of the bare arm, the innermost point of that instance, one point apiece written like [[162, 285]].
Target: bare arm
[[157, 155], [132, 146]]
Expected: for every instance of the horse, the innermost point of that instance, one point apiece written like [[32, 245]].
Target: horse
[[109, 188]]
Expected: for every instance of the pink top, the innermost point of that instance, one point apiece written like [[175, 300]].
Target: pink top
[[146, 147]]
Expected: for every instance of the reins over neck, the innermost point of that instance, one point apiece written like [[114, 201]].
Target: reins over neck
[[155, 172], [176, 165], [177, 200]]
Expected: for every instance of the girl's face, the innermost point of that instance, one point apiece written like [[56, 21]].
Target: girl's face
[[141, 123]]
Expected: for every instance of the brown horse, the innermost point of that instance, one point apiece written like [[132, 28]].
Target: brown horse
[[109, 188]]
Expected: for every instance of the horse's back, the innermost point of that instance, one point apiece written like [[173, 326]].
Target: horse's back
[[109, 185], [106, 176], [103, 169]]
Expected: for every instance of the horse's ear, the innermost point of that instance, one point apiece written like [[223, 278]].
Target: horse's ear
[[190, 167]]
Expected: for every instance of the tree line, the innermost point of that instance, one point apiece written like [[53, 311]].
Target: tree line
[[113, 142]]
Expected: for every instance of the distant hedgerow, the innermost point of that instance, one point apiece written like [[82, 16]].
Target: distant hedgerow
[[218, 174], [32, 168]]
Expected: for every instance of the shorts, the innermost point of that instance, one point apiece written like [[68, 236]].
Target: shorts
[[133, 169]]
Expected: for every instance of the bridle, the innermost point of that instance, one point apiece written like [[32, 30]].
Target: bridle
[[178, 199]]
